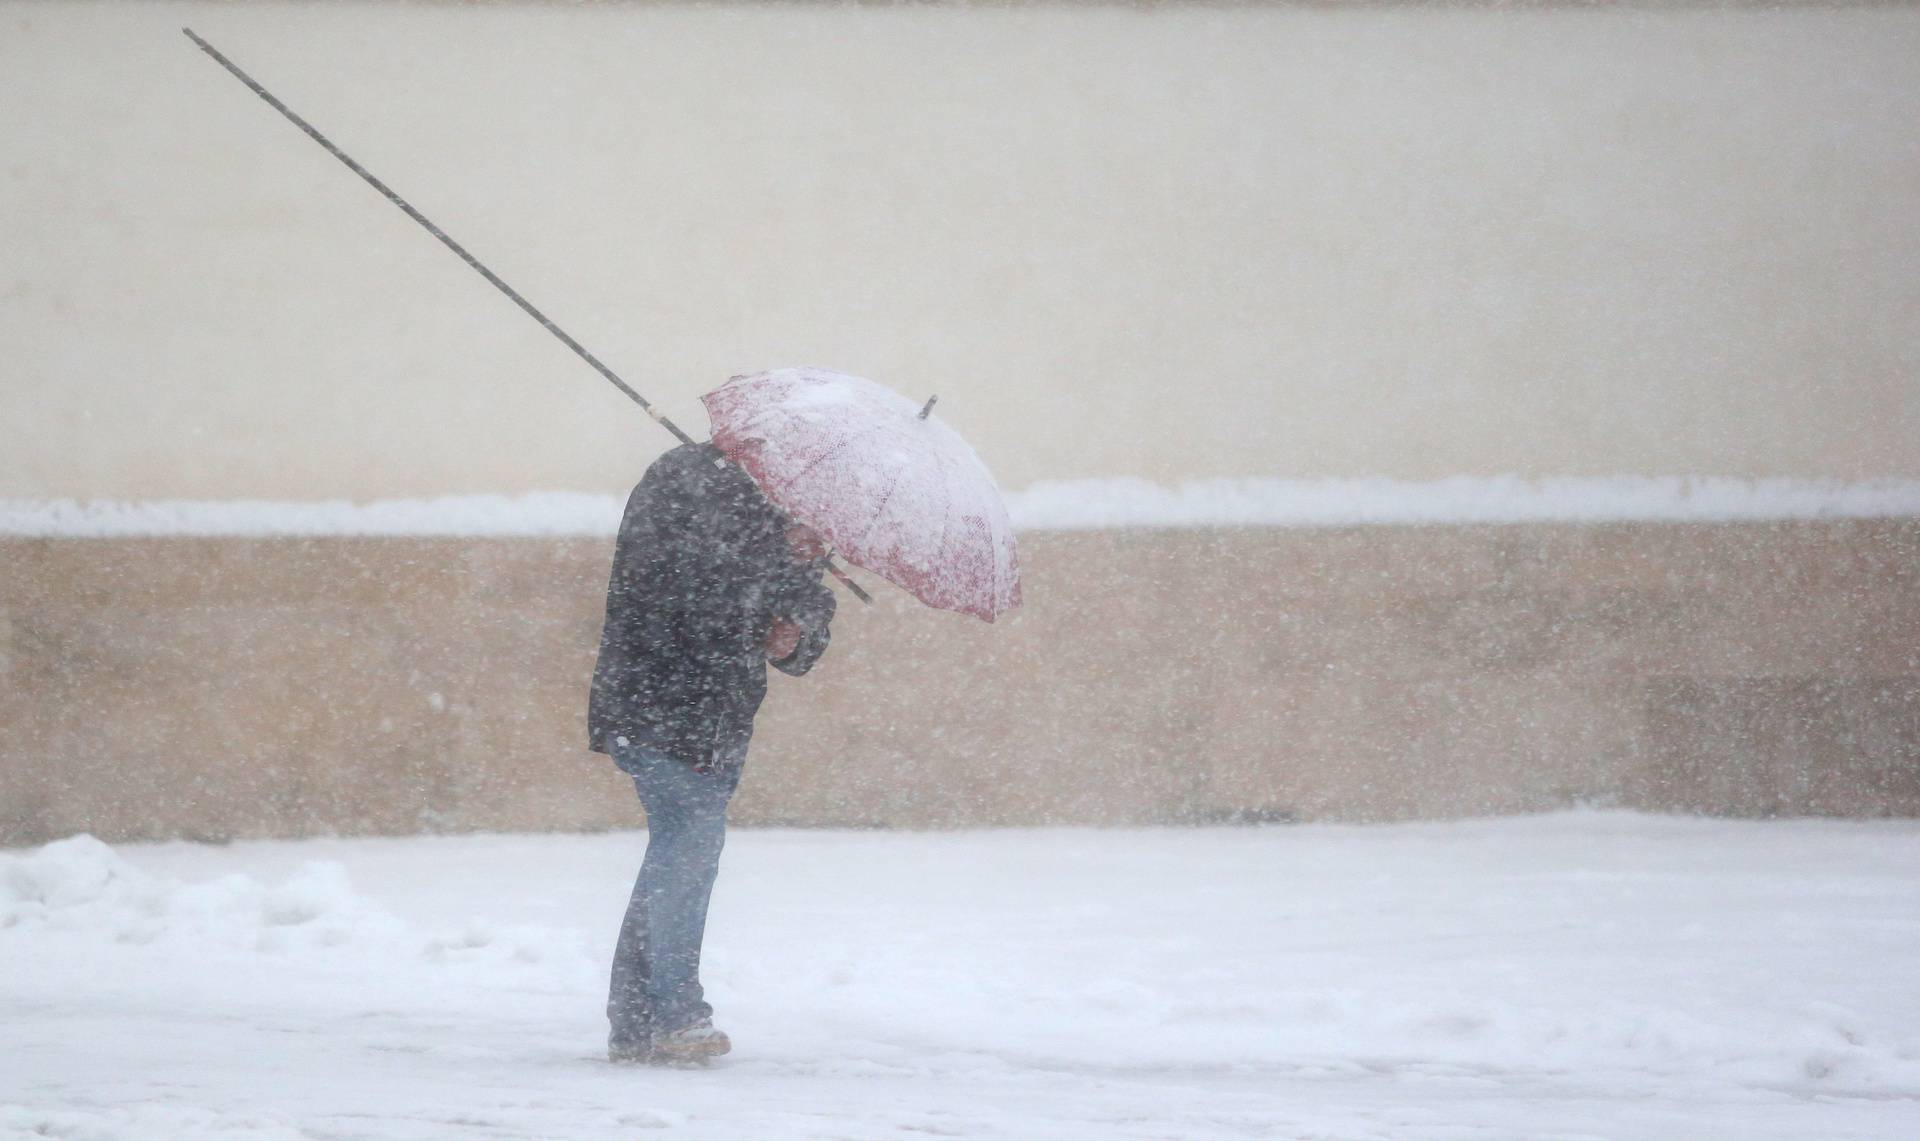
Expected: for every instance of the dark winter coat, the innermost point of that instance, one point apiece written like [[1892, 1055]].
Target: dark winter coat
[[700, 572]]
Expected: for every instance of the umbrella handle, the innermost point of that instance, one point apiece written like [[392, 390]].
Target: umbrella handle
[[849, 583]]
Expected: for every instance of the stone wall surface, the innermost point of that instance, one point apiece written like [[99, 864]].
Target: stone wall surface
[[229, 687]]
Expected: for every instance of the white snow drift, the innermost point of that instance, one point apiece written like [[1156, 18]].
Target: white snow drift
[[1580, 975]]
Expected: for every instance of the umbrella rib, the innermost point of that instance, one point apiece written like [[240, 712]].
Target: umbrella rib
[[993, 556], [881, 511], [993, 569], [946, 516], [823, 457]]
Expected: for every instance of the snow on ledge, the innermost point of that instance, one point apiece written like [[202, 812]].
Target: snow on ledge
[[1064, 505], [1105, 503], [542, 513]]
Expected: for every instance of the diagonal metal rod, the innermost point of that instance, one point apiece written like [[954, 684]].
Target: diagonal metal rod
[[461, 252]]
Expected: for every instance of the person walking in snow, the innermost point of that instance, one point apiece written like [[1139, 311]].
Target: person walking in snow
[[710, 582]]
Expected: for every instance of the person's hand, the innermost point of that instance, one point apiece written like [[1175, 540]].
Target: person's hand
[[783, 639], [806, 543]]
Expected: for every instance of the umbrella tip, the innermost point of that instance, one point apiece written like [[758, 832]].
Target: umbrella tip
[[929, 406]]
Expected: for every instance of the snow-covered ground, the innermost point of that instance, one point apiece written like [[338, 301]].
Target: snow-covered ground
[[1587, 975]]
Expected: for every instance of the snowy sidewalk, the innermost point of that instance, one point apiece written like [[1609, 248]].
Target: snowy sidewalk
[[1587, 975]]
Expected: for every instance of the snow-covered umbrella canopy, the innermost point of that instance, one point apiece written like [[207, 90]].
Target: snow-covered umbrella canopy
[[896, 492]]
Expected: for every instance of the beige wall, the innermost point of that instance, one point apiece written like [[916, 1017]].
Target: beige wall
[[222, 687], [1171, 241], [1185, 240]]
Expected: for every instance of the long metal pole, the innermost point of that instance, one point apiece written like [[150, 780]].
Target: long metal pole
[[461, 252]]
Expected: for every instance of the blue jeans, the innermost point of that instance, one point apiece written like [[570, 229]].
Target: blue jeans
[[656, 963]]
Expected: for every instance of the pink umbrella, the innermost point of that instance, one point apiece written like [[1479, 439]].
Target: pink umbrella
[[892, 489]]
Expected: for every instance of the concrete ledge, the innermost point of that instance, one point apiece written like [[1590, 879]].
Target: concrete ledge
[[214, 687]]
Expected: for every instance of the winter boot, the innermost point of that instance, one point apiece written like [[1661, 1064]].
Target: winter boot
[[695, 1042]]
